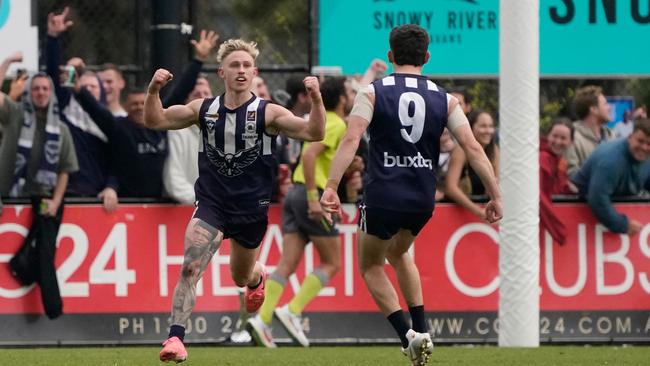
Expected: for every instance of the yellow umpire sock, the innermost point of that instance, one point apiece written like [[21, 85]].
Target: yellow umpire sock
[[311, 286], [272, 294]]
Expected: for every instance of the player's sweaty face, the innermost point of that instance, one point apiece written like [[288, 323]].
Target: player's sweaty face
[[238, 71]]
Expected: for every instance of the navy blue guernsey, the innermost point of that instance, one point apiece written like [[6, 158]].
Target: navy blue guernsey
[[236, 157], [409, 116]]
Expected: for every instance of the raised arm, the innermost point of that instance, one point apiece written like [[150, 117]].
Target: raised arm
[[280, 118], [56, 25], [173, 118], [182, 89], [4, 66], [376, 68], [101, 115]]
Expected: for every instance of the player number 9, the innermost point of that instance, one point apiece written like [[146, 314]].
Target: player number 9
[[416, 120]]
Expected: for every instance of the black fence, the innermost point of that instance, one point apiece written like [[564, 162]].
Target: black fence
[[119, 32]]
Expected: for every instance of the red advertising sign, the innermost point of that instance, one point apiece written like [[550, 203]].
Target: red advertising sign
[[129, 261]]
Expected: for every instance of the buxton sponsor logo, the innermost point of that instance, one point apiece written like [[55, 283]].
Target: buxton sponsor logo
[[417, 161]]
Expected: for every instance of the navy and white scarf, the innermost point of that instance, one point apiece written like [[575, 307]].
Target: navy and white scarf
[[47, 171]]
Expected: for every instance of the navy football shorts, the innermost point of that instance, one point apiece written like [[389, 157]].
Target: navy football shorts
[[384, 223], [247, 230]]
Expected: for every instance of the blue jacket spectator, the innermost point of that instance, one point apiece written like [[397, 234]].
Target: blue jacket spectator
[[617, 168], [91, 144], [95, 176], [139, 153]]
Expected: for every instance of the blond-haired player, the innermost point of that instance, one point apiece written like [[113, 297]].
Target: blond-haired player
[[233, 190]]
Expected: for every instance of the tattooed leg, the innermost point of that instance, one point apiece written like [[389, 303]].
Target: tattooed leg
[[201, 242]]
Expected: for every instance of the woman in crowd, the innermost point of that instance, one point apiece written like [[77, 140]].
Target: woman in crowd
[[462, 181], [553, 175]]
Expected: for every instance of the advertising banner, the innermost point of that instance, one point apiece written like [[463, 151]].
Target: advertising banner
[[18, 34], [465, 35], [117, 274]]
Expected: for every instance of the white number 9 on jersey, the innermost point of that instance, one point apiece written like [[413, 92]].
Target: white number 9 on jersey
[[416, 120]]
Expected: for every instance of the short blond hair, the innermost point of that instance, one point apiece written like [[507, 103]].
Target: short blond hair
[[233, 45]]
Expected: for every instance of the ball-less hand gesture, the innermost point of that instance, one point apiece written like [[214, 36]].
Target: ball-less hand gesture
[[331, 204], [14, 57], [202, 48], [312, 86], [57, 23], [109, 199], [17, 87], [159, 80], [493, 211], [378, 66], [634, 227]]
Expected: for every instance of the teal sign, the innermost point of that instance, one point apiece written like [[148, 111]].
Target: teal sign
[[577, 37], [4, 12]]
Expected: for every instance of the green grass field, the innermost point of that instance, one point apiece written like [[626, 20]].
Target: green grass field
[[288, 356]]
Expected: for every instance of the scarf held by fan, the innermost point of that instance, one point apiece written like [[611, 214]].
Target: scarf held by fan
[[46, 174]]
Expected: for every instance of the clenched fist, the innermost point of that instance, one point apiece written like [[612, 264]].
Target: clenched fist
[[312, 86], [14, 57], [159, 80]]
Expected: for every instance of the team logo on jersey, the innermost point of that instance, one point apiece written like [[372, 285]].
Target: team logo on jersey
[[211, 121], [250, 116], [209, 125], [250, 133], [231, 165]]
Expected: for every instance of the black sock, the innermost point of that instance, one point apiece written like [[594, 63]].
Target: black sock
[[417, 318], [177, 331], [258, 284], [398, 322]]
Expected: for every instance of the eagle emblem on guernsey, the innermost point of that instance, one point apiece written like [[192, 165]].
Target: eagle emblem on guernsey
[[232, 165]]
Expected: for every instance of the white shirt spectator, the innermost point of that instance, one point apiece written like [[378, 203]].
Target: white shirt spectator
[[623, 129], [181, 168], [120, 113]]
